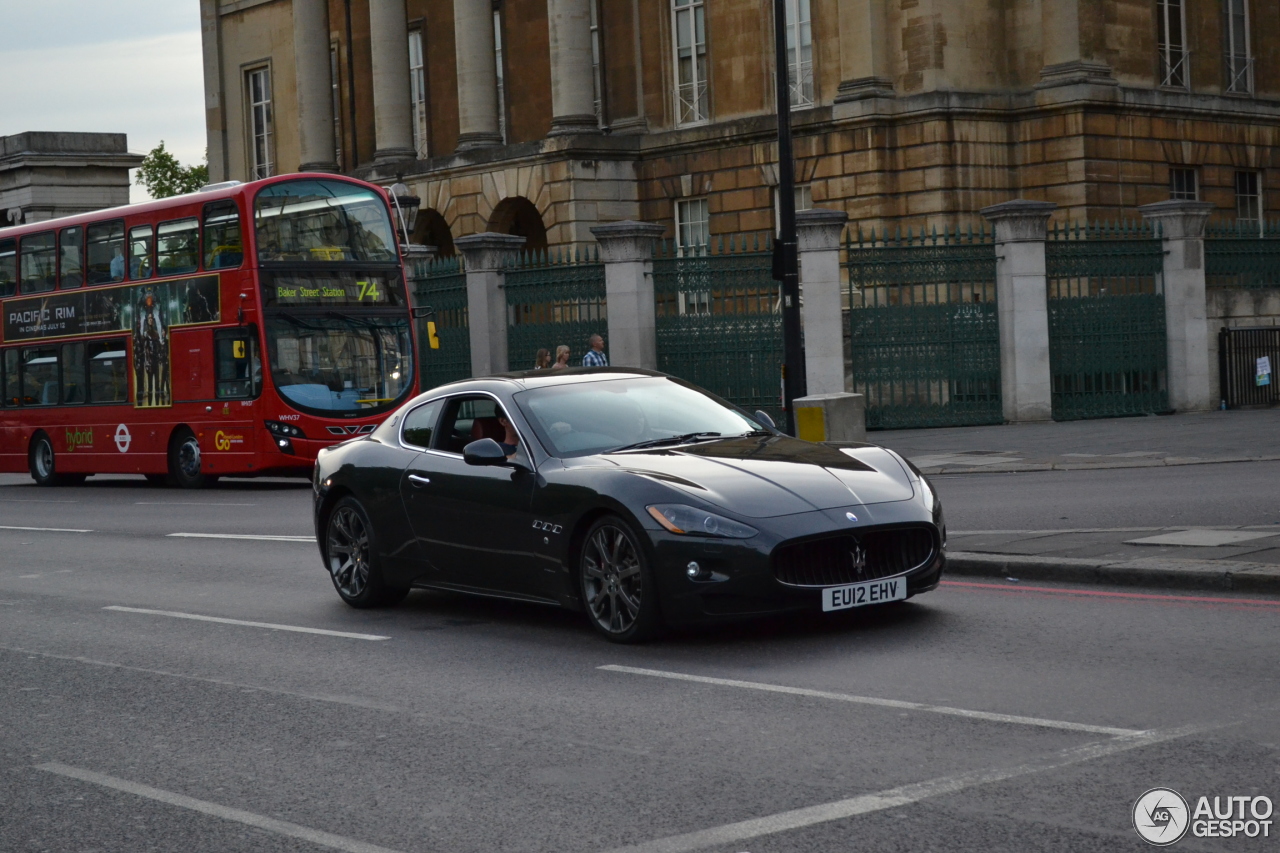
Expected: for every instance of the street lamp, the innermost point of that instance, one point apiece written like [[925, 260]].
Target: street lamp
[[786, 259], [406, 204]]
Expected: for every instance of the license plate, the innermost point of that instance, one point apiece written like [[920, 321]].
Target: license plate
[[859, 594]]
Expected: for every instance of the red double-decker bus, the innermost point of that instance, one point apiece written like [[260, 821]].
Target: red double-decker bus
[[229, 332]]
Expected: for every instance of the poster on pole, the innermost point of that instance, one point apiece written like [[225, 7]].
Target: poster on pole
[[1264, 370]]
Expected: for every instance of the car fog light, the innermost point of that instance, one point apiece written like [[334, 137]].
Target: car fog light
[[693, 570]]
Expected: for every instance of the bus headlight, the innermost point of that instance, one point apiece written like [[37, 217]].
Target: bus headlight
[[283, 430]]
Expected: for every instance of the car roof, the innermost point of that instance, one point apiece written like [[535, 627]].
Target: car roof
[[524, 379]]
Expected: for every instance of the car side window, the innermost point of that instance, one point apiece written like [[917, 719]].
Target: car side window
[[420, 424], [468, 419]]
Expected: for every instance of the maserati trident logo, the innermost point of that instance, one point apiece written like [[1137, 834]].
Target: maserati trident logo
[[858, 558]]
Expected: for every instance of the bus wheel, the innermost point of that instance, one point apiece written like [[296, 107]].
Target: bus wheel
[[184, 461], [40, 461]]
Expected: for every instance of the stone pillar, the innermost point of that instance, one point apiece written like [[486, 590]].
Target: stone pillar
[[392, 118], [819, 234], [315, 87], [477, 75], [1068, 35], [864, 51], [627, 251], [1182, 225], [214, 114], [1022, 304], [572, 78], [486, 256]]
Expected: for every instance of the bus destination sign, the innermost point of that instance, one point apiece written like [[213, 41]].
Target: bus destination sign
[[95, 310], [316, 289]]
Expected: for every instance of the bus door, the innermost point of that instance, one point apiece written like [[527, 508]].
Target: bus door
[[228, 437]]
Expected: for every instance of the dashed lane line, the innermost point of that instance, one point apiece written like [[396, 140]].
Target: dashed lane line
[[297, 629], [46, 529], [884, 703], [255, 537], [279, 827]]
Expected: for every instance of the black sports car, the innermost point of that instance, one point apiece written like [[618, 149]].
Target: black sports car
[[628, 494]]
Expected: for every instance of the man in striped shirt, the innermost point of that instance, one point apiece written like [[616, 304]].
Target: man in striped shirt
[[595, 356]]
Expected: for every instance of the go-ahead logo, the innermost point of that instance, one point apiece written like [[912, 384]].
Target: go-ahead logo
[[1160, 816]]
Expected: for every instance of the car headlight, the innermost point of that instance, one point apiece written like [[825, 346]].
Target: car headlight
[[686, 520]]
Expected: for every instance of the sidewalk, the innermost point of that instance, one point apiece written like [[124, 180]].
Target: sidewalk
[[1241, 558]]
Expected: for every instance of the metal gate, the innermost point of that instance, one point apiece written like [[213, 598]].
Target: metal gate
[[441, 285], [1107, 353], [924, 334], [553, 298], [1239, 354]]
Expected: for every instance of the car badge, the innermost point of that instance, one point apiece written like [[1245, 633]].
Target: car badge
[[850, 516], [858, 556]]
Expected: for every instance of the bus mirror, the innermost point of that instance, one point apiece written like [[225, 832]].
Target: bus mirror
[[422, 311]]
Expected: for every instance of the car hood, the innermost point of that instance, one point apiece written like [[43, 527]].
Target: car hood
[[774, 475]]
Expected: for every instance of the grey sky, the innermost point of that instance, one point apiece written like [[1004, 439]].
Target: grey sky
[[120, 66]]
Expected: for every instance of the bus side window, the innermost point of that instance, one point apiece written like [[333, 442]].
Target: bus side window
[[108, 372], [40, 376], [12, 396], [8, 267], [140, 245], [223, 246], [73, 373], [106, 252], [238, 369], [39, 263], [71, 257], [178, 247]]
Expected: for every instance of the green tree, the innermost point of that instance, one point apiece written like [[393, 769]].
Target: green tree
[[164, 176]]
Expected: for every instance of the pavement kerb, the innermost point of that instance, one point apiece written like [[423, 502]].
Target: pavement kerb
[[1160, 573]]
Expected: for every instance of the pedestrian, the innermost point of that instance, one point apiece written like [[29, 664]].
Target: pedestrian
[[543, 359], [562, 358], [595, 356]]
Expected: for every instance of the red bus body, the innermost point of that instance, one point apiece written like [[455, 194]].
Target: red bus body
[[198, 359]]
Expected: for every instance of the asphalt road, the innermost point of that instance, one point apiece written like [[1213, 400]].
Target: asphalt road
[[981, 716]]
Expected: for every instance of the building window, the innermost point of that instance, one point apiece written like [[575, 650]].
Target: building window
[[261, 149], [1235, 53], [418, 93], [799, 53], [1249, 199], [1171, 42], [1183, 185], [336, 89], [502, 87], [595, 61], [804, 201], [692, 229], [690, 28]]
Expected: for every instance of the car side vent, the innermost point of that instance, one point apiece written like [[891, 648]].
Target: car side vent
[[848, 558]]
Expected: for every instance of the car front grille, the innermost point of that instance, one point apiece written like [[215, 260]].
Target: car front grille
[[849, 558]]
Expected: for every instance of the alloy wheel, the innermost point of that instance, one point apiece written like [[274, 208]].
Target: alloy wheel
[[348, 551], [189, 458], [612, 579]]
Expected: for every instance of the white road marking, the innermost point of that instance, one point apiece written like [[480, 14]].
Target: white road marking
[[279, 827], [901, 796], [257, 537], [34, 501], [185, 503], [884, 703], [46, 529], [298, 629]]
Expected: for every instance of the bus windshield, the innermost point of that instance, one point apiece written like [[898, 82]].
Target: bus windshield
[[317, 221], [340, 362]]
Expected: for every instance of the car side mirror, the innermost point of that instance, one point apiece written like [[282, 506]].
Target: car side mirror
[[484, 451], [764, 418]]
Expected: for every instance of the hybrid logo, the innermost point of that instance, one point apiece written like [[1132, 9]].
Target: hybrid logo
[[1160, 816]]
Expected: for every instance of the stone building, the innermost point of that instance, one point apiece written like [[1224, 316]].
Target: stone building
[[45, 175], [545, 117]]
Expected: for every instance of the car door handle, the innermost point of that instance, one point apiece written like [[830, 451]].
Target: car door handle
[[419, 481]]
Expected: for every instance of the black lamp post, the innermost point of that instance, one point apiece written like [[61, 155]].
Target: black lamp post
[[786, 259], [407, 205]]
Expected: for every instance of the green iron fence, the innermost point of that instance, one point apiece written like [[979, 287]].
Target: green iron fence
[[553, 298], [1242, 254], [441, 285], [924, 333], [719, 320], [1107, 351]]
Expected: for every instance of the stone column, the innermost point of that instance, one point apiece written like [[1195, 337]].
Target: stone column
[[1022, 301], [1067, 33], [819, 234], [315, 87], [477, 75], [392, 118], [864, 51], [572, 78], [486, 256], [214, 115], [627, 251], [1182, 225]]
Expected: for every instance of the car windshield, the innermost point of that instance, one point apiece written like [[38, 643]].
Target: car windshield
[[322, 221], [596, 417], [340, 363]]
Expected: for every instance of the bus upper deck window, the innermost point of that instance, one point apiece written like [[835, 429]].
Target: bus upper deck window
[[8, 267], [71, 257], [106, 252], [177, 247], [39, 263], [140, 245], [223, 244]]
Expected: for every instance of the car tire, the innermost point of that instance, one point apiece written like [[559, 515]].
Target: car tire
[[42, 462], [618, 591], [185, 462], [351, 556]]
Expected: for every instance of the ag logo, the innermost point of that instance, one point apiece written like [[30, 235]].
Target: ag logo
[[123, 438], [1160, 816]]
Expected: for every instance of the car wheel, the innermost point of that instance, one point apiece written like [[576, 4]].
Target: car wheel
[[40, 461], [617, 585], [352, 557], [184, 461]]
